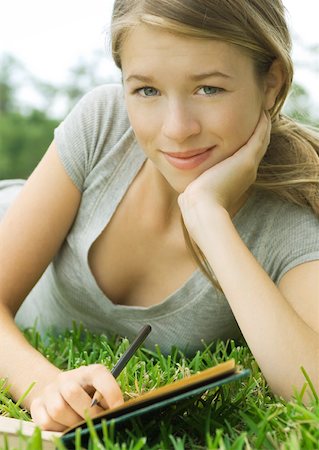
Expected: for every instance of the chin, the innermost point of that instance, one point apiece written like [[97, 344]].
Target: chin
[[178, 181], [179, 186]]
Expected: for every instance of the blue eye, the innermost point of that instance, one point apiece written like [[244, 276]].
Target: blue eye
[[147, 91], [210, 90]]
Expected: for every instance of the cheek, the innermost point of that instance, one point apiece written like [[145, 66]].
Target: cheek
[[237, 124], [145, 128]]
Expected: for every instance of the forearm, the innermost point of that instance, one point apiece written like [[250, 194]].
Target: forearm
[[60, 399], [279, 339], [20, 363]]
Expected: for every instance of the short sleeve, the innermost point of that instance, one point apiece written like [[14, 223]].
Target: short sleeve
[[95, 124], [294, 239]]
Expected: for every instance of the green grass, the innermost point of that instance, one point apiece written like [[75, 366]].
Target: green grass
[[240, 415]]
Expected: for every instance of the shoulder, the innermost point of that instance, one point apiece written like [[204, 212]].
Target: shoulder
[[110, 95], [105, 102], [93, 127], [280, 233], [280, 220], [99, 112], [271, 211]]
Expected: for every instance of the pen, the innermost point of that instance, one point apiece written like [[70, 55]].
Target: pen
[[127, 355]]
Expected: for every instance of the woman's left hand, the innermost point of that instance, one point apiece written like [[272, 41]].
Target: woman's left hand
[[224, 184]]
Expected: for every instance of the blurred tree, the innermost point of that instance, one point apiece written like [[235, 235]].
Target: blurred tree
[[298, 106], [9, 67], [84, 76], [26, 132], [23, 140], [23, 137]]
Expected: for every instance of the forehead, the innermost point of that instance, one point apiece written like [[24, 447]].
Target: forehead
[[147, 46]]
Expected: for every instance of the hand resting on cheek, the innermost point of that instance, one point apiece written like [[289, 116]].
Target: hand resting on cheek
[[224, 184]]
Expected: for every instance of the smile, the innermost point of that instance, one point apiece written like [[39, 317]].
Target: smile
[[188, 160]]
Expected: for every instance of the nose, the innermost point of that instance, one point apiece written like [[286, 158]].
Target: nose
[[180, 122]]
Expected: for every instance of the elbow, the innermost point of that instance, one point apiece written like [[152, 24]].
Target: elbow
[[302, 384], [305, 394]]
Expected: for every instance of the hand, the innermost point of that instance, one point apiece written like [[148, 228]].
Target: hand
[[225, 184], [67, 399]]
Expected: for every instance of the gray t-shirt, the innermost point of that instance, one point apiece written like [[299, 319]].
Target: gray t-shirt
[[101, 155]]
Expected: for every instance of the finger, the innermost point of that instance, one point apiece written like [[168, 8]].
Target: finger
[[269, 126], [79, 399], [41, 417], [102, 380], [267, 134], [258, 142], [262, 132], [60, 410]]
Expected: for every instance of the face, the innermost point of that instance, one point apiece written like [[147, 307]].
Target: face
[[191, 102]]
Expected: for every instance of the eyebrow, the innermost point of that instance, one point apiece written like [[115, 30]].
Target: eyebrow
[[195, 77], [216, 73]]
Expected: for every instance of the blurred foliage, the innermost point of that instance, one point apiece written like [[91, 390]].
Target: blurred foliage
[[23, 140], [298, 106], [26, 132]]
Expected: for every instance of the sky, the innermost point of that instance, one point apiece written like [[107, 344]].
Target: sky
[[51, 37]]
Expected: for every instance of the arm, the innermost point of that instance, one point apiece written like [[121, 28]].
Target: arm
[[31, 233], [280, 338], [274, 320]]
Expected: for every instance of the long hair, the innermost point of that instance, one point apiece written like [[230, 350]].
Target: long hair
[[290, 167]]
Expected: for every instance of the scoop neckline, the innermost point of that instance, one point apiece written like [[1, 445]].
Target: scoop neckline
[[133, 166]]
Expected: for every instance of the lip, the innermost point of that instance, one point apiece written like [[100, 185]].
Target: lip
[[190, 159], [188, 153]]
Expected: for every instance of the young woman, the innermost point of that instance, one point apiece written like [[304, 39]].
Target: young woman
[[188, 162]]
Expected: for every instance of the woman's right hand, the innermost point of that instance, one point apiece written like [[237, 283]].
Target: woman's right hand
[[67, 399]]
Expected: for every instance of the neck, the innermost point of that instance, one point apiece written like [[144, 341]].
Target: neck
[[162, 196]]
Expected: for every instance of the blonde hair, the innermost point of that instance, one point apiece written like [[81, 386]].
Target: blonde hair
[[290, 168]]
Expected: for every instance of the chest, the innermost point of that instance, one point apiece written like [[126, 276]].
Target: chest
[[134, 261]]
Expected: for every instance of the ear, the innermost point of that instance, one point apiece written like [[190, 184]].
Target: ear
[[273, 83]]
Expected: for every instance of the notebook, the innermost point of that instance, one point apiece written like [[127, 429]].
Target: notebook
[[150, 402], [160, 398]]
